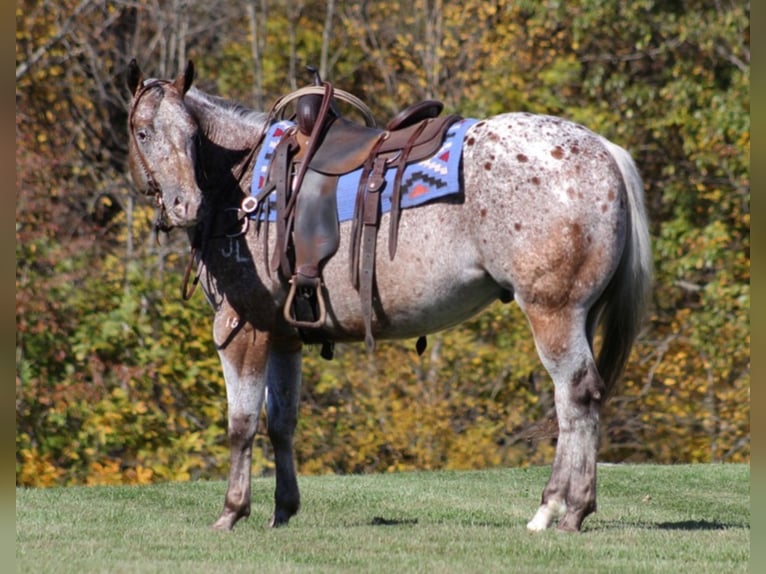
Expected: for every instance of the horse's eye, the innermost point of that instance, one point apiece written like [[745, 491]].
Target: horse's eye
[[142, 135]]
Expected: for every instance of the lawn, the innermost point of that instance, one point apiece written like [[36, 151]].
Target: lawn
[[683, 518]]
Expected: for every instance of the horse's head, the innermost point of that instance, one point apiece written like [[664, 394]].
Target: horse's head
[[162, 146]]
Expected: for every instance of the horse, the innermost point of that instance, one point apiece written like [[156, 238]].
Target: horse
[[550, 215]]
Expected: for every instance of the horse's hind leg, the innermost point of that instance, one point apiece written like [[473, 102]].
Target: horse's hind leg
[[284, 381], [565, 350]]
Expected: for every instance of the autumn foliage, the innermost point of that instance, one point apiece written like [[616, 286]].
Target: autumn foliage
[[117, 380]]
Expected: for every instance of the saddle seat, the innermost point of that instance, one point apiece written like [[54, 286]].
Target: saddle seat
[[348, 145]]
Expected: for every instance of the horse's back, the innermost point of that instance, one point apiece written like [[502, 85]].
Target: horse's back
[[541, 216], [537, 166]]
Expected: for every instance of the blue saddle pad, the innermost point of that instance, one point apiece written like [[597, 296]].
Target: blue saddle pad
[[424, 181]]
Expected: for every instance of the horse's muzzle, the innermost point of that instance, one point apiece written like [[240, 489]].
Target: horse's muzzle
[[161, 222], [183, 213]]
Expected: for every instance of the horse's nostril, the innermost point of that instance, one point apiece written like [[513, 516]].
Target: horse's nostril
[[176, 202]]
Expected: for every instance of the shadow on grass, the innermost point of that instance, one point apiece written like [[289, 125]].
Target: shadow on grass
[[687, 525], [380, 521], [683, 525], [699, 525]]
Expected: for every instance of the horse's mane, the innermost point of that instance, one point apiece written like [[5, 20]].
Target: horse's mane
[[215, 108]]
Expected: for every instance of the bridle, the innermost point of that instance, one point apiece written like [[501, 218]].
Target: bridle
[[154, 187], [151, 181], [205, 228]]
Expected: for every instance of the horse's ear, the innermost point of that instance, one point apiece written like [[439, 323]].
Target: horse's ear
[[135, 76], [184, 81]]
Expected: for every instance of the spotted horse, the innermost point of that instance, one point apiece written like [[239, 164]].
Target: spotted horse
[[550, 214]]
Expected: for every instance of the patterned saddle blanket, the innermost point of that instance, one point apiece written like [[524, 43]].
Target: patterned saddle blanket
[[422, 182]]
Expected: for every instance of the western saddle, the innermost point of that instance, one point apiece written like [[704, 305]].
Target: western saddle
[[308, 161]]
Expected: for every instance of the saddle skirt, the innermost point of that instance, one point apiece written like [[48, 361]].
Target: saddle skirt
[[422, 182]]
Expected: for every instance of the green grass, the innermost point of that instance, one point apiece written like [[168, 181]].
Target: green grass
[[690, 518]]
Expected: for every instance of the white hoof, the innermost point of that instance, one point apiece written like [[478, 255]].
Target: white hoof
[[546, 515]]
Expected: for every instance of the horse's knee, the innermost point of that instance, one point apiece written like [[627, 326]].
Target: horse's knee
[[281, 418], [281, 426], [242, 428], [564, 349]]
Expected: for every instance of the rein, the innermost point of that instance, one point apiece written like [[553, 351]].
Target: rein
[[205, 229]]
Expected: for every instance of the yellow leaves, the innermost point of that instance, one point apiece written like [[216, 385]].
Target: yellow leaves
[[37, 469], [445, 409], [138, 475], [104, 473]]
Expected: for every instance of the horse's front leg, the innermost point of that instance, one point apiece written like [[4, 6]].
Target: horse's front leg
[[244, 356], [284, 382]]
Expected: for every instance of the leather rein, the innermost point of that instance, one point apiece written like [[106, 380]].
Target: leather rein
[[204, 230]]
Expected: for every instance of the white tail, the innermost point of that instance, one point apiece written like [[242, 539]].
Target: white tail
[[623, 305]]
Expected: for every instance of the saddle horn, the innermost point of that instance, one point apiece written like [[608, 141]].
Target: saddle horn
[[307, 110], [314, 71]]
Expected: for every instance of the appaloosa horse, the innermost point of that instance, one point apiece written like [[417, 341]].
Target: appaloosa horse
[[550, 214]]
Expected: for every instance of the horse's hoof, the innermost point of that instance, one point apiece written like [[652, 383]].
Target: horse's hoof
[[222, 525], [546, 515], [279, 519], [570, 523], [228, 519], [536, 525]]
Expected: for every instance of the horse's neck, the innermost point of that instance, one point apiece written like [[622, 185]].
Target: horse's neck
[[227, 123], [228, 135]]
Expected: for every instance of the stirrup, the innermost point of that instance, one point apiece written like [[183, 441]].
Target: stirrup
[[287, 310]]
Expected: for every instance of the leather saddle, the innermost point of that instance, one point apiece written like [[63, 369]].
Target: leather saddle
[[309, 159]]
